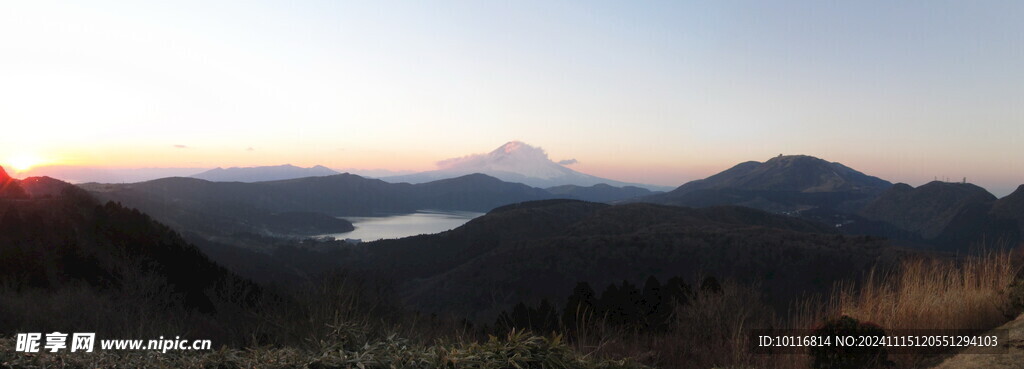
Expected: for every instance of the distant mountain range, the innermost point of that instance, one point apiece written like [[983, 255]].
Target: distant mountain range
[[949, 216], [514, 162], [375, 173], [81, 174], [226, 201], [277, 207], [943, 215], [263, 174]]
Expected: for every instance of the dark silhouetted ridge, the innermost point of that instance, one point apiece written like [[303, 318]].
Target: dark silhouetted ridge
[[795, 173], [263, 174], [782, 184], [10, 188], [600, 192], [951, 216], [1011, 206], [927, 209], [109, 256]]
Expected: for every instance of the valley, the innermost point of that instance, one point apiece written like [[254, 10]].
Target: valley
[[498, 256], [510, 184]]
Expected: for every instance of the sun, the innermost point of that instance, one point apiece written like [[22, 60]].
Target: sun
[[23, 162]]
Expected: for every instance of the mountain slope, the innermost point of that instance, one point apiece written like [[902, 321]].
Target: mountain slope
[[41, 187], [1011, 206], [718, 180], [512, 162], [10, 188], [781, 184], [536, 250], [263, 174], [953, 216], [803, 173], [408, 258], [927, 209], [98, 267], [599, 193]]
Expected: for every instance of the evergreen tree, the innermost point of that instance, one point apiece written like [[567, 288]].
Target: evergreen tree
[[652, 302], [518, 318], [620, 303], [710, 285], [608, 302], [580, 307], [631, 304], [676, 291], [544, 319]]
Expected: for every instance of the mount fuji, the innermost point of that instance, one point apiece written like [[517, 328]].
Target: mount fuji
[[514, 161]]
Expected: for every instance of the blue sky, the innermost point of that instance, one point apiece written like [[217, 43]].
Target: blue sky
[[658, 92]]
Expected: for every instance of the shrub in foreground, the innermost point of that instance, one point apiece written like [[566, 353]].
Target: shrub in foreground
[[856, 357]]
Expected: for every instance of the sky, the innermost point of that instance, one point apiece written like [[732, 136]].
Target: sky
[[657, 92]]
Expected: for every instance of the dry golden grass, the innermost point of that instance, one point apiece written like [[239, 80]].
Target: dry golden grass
[[967, 294], [933, 294], [711, 332]]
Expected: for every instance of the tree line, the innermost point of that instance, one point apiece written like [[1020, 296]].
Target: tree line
[[624, 305]]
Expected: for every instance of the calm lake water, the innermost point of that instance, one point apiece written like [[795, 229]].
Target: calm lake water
[[405, 225]]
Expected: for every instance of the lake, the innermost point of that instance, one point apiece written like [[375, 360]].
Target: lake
[[405, 225]]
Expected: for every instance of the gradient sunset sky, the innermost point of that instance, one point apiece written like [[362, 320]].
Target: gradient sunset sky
[[656, 92]]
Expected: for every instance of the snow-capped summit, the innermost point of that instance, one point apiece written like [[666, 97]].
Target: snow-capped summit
[[514, 161]]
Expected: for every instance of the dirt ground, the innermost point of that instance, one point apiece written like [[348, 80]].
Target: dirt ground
[[1013, 358]]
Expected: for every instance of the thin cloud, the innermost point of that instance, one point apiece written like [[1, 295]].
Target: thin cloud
[[568, 162], [516, 148], [465, 161], [180, 147]]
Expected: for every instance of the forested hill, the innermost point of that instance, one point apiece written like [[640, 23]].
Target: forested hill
[[68, 263], [529, 251]]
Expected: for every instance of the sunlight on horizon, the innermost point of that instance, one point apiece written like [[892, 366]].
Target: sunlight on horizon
[[24, 162]]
